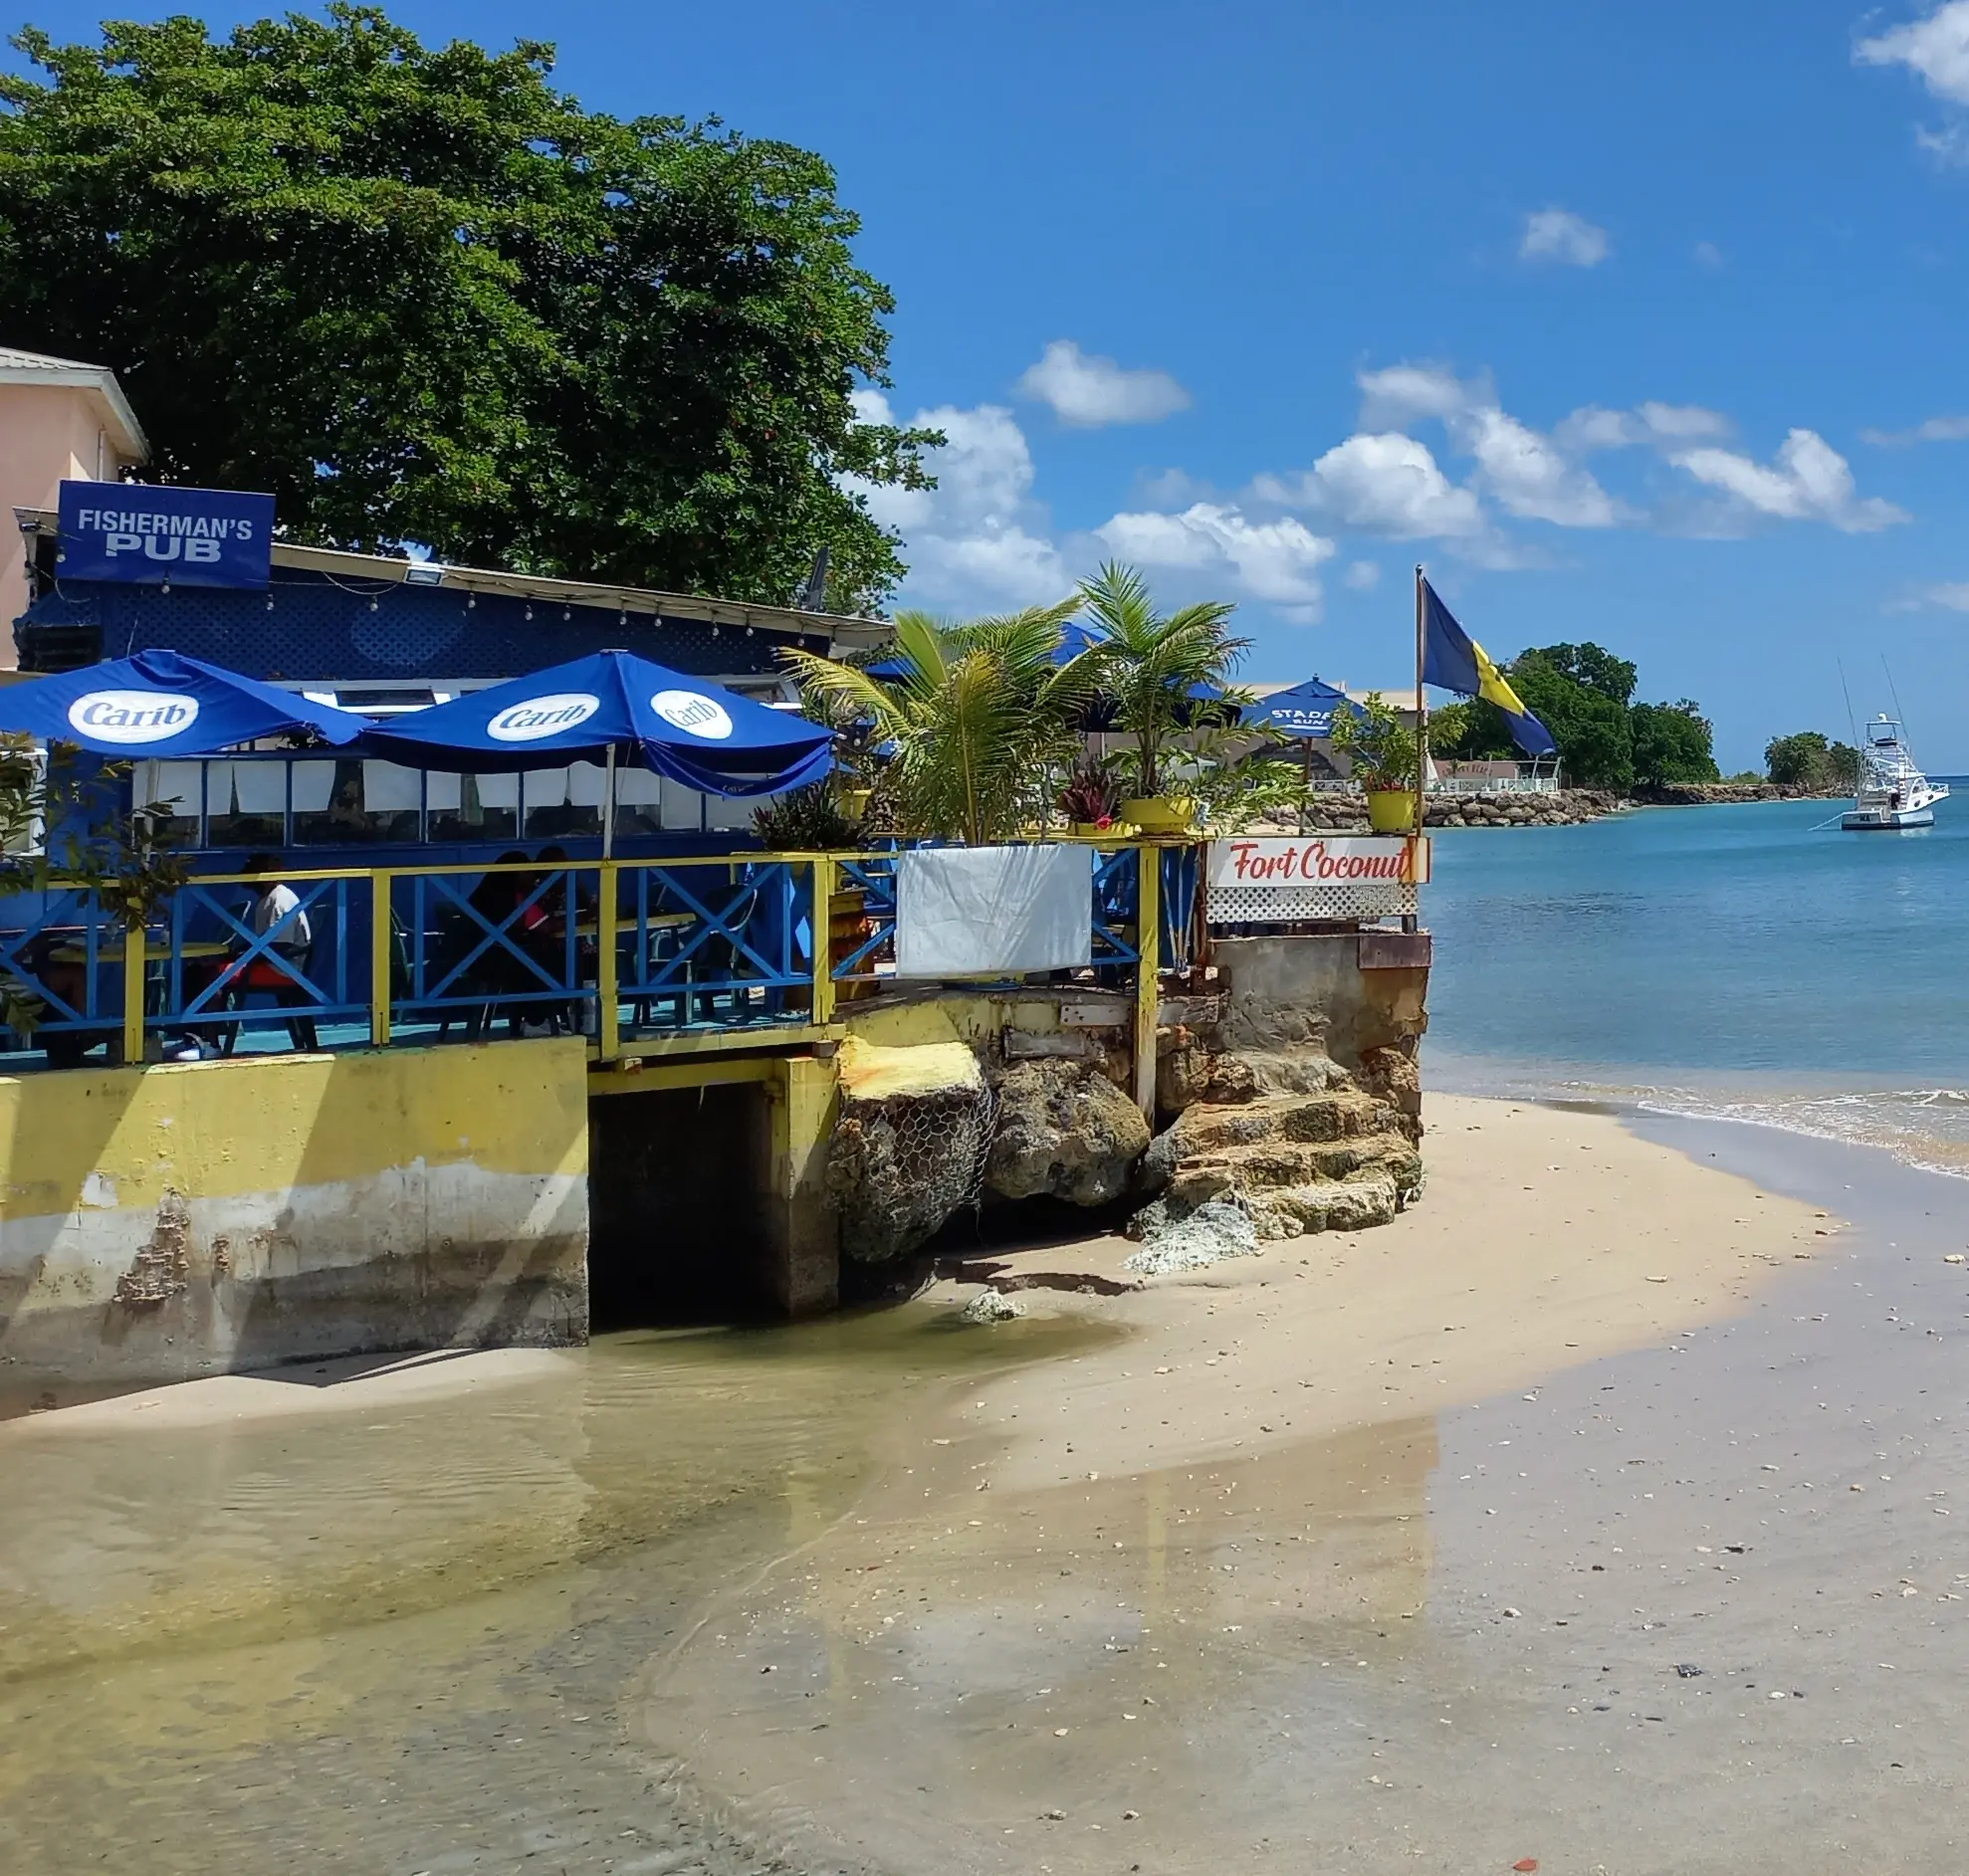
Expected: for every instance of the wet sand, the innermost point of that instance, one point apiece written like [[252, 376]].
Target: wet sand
[[703, 1602]]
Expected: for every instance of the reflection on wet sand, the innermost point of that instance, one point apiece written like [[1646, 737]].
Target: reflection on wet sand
[[922, 1684], [386, 1628]]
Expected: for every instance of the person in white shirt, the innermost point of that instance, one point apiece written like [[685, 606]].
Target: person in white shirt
[[278, 910]]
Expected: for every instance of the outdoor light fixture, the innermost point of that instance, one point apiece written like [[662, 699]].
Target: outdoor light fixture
[[424, 574], [28, 520]]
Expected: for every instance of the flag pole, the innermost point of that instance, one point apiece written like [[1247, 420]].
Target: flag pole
[[1421, 712]]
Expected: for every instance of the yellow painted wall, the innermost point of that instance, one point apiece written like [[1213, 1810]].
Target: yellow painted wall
[[215, 1129], [186, 1218]]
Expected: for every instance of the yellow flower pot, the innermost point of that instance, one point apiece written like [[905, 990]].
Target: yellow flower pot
[[1391, 810], [854, 802], [1160, 814]]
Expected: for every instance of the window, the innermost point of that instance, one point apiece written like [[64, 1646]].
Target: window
[[473, 807], [350, 802], [563, 803], [246, 803]]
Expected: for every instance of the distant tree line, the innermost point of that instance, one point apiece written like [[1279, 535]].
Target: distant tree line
[[1809, 760], [1583, 694]]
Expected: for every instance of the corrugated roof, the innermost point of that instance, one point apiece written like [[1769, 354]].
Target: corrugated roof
[[32, 368]]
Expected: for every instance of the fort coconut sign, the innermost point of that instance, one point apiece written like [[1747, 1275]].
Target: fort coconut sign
[[1278, 879]]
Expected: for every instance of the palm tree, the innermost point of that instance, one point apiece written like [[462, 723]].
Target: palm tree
[[1152, 663], [978, 715]]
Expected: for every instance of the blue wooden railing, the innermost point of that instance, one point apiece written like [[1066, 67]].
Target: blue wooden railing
[[621, 952]]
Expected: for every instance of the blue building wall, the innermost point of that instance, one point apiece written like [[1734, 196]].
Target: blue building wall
[[310, 626]]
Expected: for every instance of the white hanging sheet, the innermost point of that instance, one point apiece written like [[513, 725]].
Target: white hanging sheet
[[965, 912]]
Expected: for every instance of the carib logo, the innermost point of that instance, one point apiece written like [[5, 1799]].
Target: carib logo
[[694, 715], [541, 716], [133, 715]]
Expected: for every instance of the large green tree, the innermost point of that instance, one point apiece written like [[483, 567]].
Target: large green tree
[[422, 296], [1673, 742]]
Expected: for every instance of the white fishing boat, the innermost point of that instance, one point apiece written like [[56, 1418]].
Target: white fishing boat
[[1894, 793]]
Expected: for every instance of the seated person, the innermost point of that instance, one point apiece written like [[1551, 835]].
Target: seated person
[[278, 968]]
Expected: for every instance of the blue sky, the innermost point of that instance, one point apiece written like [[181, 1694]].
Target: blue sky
[[1640, 325]]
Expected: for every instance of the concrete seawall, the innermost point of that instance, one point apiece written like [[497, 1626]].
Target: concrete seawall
[[165, 1222]]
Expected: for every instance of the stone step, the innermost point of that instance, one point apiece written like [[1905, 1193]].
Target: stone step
[[1287, 1211], [1339, 1114], [1265, 1163]]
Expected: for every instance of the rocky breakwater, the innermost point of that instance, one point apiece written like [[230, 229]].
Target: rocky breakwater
[[1563, 807], [1712, 794]]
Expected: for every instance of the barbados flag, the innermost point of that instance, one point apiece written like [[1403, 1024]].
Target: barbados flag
[[1454, 661]]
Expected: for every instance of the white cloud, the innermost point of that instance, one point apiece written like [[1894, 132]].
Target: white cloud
[[1089, 391], [1398, 394], [1949, 145], [1531, 478], [1707, 254], [1363, 576], [1387, 484], [1275, 560], [1935, 430], [1949, 595], [1935, 48], [967, 540], [1563, 238], [1810, 482], [1591, 428], [1682, 421]]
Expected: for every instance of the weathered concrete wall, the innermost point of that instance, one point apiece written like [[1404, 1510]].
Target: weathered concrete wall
[[1288, 993], [170, 1221]]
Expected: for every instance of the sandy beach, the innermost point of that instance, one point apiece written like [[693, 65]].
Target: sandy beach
[[1485, 1536], [1547, 1237]]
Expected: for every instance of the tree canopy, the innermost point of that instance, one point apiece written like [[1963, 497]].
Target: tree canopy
[[1583, 693], [1673, 742], [422, 296], [1809, 760]]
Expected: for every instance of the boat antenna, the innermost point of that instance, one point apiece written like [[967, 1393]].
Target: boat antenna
[[1852, 722], [1892, 693]]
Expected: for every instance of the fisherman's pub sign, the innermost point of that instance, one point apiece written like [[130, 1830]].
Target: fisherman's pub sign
[[136, 532]]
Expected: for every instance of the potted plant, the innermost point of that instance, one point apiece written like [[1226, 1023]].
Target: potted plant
[[1384, 757], [1090, 800], [1163, 675], [971, 718]]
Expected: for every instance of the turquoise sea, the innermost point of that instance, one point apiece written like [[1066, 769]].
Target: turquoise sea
[[1742, 961]]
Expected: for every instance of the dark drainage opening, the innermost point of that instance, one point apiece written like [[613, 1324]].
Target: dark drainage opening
[[677, 1182]]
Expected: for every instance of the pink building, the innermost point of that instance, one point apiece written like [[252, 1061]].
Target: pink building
[[59, 421]]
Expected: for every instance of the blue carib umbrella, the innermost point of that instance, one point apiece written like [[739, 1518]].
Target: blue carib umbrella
[[608, 707], [163, 703]]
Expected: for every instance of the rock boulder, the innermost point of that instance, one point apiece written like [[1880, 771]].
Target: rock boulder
[[1064, 1131]]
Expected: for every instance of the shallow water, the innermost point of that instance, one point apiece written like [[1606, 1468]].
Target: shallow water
[[405, 1637]]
